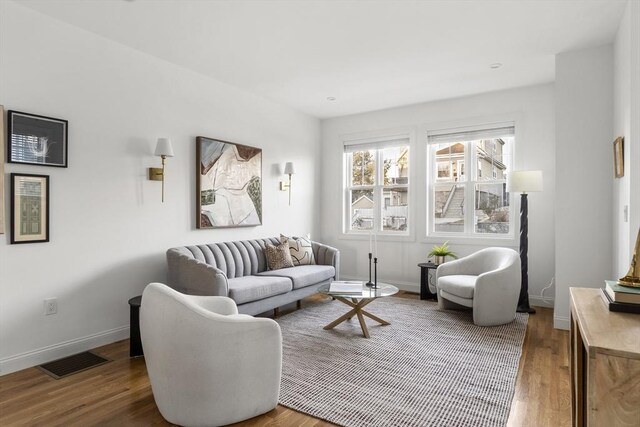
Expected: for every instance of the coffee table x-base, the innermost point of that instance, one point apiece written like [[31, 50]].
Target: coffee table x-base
[[357, 303]]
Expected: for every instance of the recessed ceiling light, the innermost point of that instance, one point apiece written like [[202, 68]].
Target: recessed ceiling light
[[331, 98], [495, 65]]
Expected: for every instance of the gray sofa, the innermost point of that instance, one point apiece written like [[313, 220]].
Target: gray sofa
[[239, 270]]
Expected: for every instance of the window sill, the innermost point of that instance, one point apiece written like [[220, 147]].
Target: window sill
[[405, 237], [509, 241]]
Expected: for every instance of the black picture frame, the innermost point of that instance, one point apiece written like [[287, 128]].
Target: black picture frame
[[37, 140], [228, 184], [30, 211]]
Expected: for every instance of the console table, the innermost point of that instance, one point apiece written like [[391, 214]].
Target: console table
[[605, 362]]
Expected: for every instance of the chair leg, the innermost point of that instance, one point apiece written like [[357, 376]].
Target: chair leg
[[299, 304], [276, 312]]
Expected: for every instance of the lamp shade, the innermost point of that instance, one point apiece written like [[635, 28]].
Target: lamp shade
[[524, 181], [289, 169], [164, 148]]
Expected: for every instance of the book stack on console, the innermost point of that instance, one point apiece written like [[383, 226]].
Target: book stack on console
[[624, 299], [346, 287]]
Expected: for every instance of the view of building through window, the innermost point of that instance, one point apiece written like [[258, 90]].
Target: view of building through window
[[378, 188], [483, 189]]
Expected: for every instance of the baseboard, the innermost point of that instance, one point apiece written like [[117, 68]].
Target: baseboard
[[403, 286], [536, 301], [63, 349], [561, 322]]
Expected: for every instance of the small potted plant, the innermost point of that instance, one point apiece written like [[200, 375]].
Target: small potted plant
[[441, 252]]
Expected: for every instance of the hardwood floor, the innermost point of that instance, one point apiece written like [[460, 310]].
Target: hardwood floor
[[118, 393]]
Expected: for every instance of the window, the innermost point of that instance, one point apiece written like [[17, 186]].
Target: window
[[377, 186], [470, 203]]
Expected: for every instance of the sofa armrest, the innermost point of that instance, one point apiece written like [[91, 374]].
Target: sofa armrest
[[327, 255], [190, 276]]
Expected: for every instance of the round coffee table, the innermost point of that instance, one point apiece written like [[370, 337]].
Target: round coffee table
[[358, 301]]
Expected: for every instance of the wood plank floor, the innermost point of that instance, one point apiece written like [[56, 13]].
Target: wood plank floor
[[118, 393]]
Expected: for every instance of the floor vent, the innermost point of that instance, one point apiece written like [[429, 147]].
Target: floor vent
[[73, 364]]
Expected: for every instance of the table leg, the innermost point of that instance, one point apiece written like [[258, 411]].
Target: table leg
[[357, 310], [424, 286]]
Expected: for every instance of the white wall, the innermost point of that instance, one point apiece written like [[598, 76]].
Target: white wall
[[626, 190], [535, 148], [584, 172], [109, 231]]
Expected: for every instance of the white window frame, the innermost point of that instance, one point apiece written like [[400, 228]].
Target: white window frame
[[469, 235], [370, 141]]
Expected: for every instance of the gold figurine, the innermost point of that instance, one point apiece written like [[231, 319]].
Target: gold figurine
[[633, 276]]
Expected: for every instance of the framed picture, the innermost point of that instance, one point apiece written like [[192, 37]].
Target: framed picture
[[228, 184], [37, 140], [1, 169], [618, 157], [29, 208]]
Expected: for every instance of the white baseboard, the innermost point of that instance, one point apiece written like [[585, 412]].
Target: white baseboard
[[403, 286], [536, 301], [561, 322], [63, 349]]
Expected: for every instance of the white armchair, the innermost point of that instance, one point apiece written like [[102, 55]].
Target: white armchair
[[488, 281], [208, 365]]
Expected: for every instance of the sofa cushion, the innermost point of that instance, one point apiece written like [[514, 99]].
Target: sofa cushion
[[304, 275], [252, 288], [461, 285], [300, 248], [278, 256]]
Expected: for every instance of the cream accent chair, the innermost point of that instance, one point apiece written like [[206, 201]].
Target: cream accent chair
[[208, 365], [488, 281]]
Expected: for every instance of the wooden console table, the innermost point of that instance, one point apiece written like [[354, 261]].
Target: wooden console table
[[605, 362]]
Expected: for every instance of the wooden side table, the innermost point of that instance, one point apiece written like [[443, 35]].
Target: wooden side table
[[135, 342], [425, 292], [604, 361]]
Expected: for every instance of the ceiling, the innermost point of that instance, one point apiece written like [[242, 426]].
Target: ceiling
[[369, 55]]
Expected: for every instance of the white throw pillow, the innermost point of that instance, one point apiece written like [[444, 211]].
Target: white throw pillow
[[300, 249]]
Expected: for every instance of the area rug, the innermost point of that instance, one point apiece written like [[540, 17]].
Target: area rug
[[428, 368]]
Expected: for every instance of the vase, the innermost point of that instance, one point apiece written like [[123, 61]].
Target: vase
[[440, 259]]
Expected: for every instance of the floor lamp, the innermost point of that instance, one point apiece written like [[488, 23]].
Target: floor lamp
[[524, 182]]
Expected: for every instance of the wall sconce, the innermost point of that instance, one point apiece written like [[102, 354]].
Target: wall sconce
[[288, 170], [164, 150]]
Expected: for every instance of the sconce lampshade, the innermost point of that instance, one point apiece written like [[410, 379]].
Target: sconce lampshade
[[289, 169], [524, 181], [164, 148]]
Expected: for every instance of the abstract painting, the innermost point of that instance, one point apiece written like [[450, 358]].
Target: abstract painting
[[229, 184], [37, 140]]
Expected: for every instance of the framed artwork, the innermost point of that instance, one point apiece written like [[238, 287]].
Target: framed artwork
[[618, 157], [37, 140], [29, 208], [1, 169], [228, 184]]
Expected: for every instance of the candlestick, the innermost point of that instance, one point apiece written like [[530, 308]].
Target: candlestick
[[376, 240], [375, 273], [369, 283]]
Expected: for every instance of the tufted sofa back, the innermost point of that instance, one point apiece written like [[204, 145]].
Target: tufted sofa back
[[235, 259]]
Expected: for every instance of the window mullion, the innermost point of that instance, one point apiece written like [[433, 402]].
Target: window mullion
[[469, 201]]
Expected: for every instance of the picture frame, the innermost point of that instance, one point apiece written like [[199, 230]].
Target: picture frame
[[618, 157], [37, 140], [29, 208], [2, 169], [228, 184]]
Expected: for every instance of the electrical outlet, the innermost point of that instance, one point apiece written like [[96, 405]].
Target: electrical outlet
[[50, 306]]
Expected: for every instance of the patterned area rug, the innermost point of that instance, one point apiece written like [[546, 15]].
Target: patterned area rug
[[428, 368]]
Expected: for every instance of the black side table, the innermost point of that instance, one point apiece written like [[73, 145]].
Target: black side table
[[425, 292], [135, 343]]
